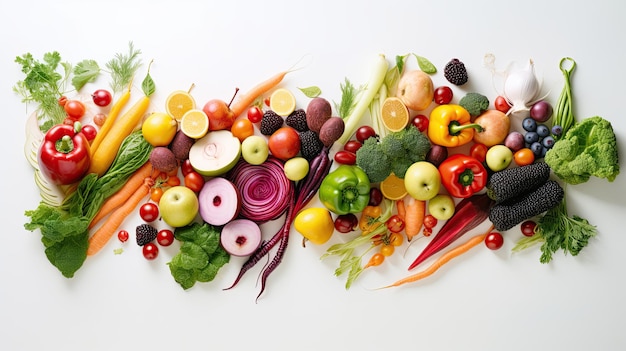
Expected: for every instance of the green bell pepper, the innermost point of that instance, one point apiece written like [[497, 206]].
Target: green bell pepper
[[345, 190]]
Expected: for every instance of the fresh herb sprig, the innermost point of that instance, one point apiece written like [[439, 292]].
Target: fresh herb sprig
[[123, 67], [349, 98]]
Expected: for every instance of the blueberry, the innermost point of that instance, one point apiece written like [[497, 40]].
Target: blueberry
[[536, 148], [531, 137], [557, 130], [529, 124], [548, 142], [543, 130]]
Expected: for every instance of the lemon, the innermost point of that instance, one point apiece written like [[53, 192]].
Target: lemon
[[194, 123], [159, 129], [282, 102], [179, 102], [393, 187], [394, 113]]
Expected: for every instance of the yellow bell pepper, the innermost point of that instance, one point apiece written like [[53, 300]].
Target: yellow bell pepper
[[450, 126]]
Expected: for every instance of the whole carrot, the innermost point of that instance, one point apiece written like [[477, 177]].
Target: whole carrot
[[101, 237], [414, 217], [445, 258], [244, 101]]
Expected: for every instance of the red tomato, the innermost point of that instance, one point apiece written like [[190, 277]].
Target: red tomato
[[395, 224], [494, 240], [528, 228], [255, 114], [345, 157], [479, 151], [346, 223], [74, 109], [122, 235], [102, 97], [421, 122], [149, 212], [443, 95], [150, 251], [165, 237], [364, 132], [284, 143], [194, 181], [352, 146], [172, 180], [89, 131], [501, 104], [186, 167], [242, 128], [430, 222]]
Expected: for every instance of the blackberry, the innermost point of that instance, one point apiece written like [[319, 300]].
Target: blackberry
[[270, 122], [297, 120], [455, 72], [145, 233], [310, 144]]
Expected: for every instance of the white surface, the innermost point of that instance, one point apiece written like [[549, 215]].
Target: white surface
[[482, 301]]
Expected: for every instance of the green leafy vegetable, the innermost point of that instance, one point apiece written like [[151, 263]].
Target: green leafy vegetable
[[148, 85], [311, 92], [43, 85], [425, 65], [589, 148], [349, 97], [86, 71], [123, 67], [200, 257]]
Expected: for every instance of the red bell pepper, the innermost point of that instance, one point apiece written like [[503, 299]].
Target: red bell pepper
[[462, 175], [64, 156]]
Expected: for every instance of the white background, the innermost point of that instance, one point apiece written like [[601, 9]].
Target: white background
[[483, 301]]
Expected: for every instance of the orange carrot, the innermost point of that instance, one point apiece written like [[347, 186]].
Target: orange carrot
[[244, 101], [445, 258], [100, 238], [122, 195], [401, 209], [414, 218]]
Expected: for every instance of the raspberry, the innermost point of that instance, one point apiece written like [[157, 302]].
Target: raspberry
[[145, 233], [270, 122], [297, 120], [311, 145], [455, 72]]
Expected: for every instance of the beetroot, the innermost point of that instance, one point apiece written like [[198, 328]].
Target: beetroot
[[163, 159]]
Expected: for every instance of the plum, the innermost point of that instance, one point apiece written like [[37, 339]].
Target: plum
[[514, 141]]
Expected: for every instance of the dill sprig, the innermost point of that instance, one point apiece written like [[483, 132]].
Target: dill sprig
[[349, 94], [123, 67]]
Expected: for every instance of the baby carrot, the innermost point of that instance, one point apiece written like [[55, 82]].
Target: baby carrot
[[414, 217], [240, 105], [100, 238], [445, 258], [122, 195], [401, 208]]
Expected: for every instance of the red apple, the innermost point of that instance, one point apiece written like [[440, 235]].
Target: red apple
[[284, 143], [220, 115]]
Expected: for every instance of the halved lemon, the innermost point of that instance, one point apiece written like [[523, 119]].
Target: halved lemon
[[194, 123], [393, 187], [178, 103], [282, 102], [394, 113]]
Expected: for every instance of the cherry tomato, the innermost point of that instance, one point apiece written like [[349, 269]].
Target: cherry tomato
[[122, 235], [172, 180], [387, 250], [89, 131], [524, 156], [528, 228], [501, 104], [352, 146], [266, 101], [345, 157], [155, 194], [396, 239], [149, 212], [242, 128], [102, 97], [186, 167], [364, 132], [376, 196], [165, 237], [255, 114], [494, 240], [74, 109], [346, 223], [99, 118], [479, 151], [427, 231], [194, 181], [420, 122], [150, 251], [443, 95], [430, 221], [395, 224], [62, 100]]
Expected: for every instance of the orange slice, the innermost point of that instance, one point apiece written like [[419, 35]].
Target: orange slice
[[282, 102], [194, 123], [179, 102], [393, 187], [394, 113]]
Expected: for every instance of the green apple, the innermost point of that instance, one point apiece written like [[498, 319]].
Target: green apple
[[441, 207], [498, 157], [215, 153], [422, 180], [296, 168], [178, 206], [254, 149]]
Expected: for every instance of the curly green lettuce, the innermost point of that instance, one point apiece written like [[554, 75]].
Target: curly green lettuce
[[589, 148]]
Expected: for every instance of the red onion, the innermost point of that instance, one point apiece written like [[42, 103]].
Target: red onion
[[264, 189]]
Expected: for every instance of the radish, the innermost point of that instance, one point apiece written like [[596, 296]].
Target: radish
[[240, 237], [219, 201]]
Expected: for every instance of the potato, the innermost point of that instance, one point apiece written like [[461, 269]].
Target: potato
[[163, 159]]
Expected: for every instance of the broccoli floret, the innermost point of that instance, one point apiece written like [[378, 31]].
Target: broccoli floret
[[474, 103], [392, 144], [589, 148], [416, 144], [373, 161], [399, 166]]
